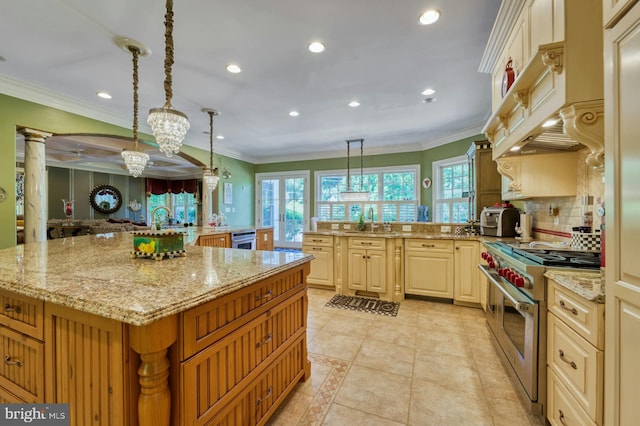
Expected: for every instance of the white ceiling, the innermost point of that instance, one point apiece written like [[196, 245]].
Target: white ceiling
[[376, 53]]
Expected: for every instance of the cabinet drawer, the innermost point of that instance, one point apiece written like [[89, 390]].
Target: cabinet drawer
[[318, 240], [21, 313], [442, 246], [584, 316], [258, 401], [204, 325], [7, 397], [562, 408], [368, 243], [22, 370], [216, 371], [578, 365]]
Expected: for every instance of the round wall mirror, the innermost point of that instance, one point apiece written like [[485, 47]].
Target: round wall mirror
[[105, 199]]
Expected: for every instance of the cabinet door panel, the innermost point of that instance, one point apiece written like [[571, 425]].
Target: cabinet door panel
[[357, 269], [376, 271], [429, 275], [321, 267], [466, 276]]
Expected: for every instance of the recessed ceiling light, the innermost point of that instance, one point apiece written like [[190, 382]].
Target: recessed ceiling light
[[428, 92], [429, 17], [515, 148], [220, 137], [429, 100], [104, 95], [234, 69], [294, 113], [354, 104], [550, 123], [316, 47]]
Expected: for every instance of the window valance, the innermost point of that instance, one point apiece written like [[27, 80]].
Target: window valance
[[162, 186]]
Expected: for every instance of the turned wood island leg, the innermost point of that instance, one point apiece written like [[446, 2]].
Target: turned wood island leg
[[152, 342]]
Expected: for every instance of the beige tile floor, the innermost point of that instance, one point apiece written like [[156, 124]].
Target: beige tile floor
[[433, 364]]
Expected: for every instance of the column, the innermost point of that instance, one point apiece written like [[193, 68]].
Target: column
[[35, 185]]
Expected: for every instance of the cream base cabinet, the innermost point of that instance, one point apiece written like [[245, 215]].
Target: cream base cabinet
[[322, 267], [429, 267], [367, 265], [466, 275], [622, 274]]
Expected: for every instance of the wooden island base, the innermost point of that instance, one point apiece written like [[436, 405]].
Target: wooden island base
[[231, 360]]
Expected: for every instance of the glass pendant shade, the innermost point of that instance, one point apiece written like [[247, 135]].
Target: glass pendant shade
[[135, 161], [210, 179], [353, 196], [169, 128]]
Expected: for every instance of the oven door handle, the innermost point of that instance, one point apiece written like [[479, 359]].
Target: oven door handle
[[520, 302]]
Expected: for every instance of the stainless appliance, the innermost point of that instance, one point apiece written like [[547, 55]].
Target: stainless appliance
[[244, 240], [517, 306], [499, 221]]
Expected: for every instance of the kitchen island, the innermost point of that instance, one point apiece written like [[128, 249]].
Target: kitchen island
[[217, 335]]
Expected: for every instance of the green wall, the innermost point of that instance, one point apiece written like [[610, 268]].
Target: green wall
[[423, 158]]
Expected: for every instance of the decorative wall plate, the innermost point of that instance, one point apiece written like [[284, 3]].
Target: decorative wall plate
[[426, 182], [135, 205]]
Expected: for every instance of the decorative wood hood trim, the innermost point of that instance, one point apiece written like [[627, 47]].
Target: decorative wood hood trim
[[584, 122], [511, 170]]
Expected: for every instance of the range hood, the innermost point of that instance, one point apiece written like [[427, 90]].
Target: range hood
[[551, 139]]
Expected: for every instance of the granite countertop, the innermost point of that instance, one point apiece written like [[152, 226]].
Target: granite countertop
[[382, 234], [587, 284], [95, 274]]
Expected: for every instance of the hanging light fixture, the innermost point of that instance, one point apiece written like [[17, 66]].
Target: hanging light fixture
[[168, 125], [210, 175], [351, 195], [135, 159]]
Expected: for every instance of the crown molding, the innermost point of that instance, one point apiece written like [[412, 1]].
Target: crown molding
[[504, 23]]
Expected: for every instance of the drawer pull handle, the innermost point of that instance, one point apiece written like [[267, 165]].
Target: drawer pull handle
[[9, 361], [571, 363], [574, 311], [561, 417], [9, 308], [316, 248], [365, 243], [265, 341], [266, 395], [267, 295], [428, 245], [317, 241]]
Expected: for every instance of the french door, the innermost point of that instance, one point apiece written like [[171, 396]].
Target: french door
[[282, 202]]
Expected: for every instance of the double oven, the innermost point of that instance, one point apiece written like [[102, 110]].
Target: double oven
[[517, 309]]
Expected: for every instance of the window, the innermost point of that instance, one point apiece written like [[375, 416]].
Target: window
[[451, 190], [182, 205], [394, 194]]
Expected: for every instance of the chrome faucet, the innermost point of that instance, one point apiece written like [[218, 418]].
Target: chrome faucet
[[370, 217], [153, 215]]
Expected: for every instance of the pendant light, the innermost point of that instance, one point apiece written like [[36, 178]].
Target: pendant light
[[168, 125], [351, 195], [210, 176], [135, 159]]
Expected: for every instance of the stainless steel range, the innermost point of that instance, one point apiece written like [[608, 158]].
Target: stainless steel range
[[517, 308]]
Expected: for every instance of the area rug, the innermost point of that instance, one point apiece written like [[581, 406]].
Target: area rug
[[363, 304]]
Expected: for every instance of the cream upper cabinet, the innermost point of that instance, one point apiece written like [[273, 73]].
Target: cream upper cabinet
[[622, 174], [322, 267], [541, 175], [466, 275], [429, 267], [613, 10], [555, 51]]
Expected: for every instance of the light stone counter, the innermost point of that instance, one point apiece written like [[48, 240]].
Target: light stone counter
[[587, 284], [382, 234], [95, 274]]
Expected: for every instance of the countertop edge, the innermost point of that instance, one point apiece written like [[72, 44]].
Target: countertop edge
[[586, 284]]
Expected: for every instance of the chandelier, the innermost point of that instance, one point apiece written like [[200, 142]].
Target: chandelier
[[351, 195], [168, 125], [135, 159], [210, 176]]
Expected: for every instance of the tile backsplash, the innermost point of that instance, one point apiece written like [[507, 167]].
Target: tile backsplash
[[570, 210]]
